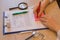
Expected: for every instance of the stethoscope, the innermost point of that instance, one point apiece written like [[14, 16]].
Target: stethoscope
[[34, 33], [21, 6]]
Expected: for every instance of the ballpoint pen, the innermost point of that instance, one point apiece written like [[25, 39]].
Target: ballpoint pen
[[38, 10], [17, 13]]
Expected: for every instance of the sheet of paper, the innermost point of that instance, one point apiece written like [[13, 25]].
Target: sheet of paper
[[23, 21]]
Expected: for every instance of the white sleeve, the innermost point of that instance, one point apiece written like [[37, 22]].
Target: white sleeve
[[58, 35]]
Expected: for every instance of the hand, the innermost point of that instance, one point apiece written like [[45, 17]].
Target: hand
[[46, 20], [39, 8], [50, 23]]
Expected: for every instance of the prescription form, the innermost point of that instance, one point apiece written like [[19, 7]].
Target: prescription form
[[22, 22]]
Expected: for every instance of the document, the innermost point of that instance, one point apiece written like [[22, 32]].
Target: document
[[23, 21]]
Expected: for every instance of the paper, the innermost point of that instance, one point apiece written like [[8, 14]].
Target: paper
[[23, 21]]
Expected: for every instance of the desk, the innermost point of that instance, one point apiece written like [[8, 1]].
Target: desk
[[49, 35]]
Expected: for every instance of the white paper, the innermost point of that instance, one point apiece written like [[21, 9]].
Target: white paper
[[23, 21]]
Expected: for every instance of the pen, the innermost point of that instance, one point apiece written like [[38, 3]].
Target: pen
[[17, 13], [38, 9]]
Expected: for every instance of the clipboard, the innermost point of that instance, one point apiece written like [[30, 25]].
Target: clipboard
[[12, 29]]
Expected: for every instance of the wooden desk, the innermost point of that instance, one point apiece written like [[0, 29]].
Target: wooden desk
[[48, 35]]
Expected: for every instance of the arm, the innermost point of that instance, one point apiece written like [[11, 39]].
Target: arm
[[50, 23]]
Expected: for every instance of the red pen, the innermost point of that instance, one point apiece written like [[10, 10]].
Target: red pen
[[37, 18], [38, 9]]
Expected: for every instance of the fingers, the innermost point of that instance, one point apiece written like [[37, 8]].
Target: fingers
[[43, 19], [47, 20]]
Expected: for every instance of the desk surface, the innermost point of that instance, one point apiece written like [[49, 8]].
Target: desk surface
[[48, 35]]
